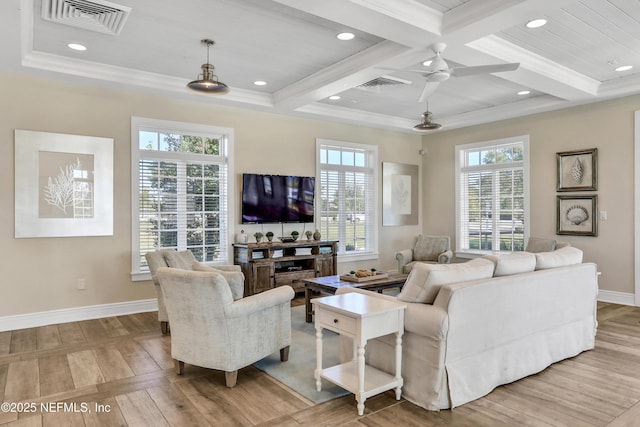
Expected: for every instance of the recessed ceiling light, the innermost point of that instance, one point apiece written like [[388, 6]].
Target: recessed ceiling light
[[427, 63], [536, 23], [260, 83], [334, 97], [524, 92], [345, 36], [624, 67], [76, 46]]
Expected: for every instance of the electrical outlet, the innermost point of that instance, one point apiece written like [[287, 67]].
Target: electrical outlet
[[603, 215], [81, 285]]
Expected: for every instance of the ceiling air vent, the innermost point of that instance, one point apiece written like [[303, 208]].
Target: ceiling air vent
[[384, 81], [95, 15]]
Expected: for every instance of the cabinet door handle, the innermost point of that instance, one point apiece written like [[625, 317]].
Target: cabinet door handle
[[335, 320]]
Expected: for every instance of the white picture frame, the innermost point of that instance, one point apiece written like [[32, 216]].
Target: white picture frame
[[63, 185], [399, 194]]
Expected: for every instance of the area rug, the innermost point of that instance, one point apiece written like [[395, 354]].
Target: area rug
[[297, 372]]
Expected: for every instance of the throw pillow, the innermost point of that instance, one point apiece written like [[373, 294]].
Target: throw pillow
[[513, 263], [425, 280], [180, 259], [537, 244], [427, 248], [558, 258], [235, 279]]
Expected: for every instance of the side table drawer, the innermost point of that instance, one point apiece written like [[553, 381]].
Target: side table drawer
[[337, 321]]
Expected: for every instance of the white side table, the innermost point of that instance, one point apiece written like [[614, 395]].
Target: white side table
[[360, 317]]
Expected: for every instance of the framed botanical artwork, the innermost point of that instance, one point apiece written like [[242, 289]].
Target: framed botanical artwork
[[63, 185], [399, 194], [577, 215], [578, 170]]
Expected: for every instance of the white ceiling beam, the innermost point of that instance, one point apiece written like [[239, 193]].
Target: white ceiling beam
[[536, 72], [346, 74]]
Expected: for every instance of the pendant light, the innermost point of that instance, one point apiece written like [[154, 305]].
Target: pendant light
[[209, 82], [426, 124]]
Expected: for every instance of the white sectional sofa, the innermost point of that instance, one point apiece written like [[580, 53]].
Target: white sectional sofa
[[473, 326]]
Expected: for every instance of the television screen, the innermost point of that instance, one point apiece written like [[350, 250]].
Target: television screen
[[277, 198]]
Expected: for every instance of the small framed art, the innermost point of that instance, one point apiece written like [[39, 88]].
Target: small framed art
[[577, 215], [577, 170]]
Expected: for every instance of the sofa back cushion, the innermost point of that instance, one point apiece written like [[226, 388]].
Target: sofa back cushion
[[512, 263], [427, 248], [425, 280], [568, 255]]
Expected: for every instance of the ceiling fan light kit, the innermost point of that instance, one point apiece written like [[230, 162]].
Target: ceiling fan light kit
[[209, 82]]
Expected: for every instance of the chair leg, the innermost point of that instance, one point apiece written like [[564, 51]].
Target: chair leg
[[231, 378], [164, 327], [284, 354], [179, 366]]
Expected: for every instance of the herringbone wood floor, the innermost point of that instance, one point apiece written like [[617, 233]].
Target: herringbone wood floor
[[124, 364]]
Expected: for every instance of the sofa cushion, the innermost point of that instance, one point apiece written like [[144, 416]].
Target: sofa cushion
[[558, 258], [537, 244], [512, 263], [427, 248], [180, 259], [425, 280], [235, 279]]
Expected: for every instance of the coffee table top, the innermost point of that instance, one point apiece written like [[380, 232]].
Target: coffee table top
[[334, 282]]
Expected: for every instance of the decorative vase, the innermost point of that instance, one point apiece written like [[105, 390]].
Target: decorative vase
[[316, 235], [242, 237], [270, 238]]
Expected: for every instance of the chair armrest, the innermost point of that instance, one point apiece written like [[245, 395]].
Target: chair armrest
[[404, 257], [445, 257], [262, 301]]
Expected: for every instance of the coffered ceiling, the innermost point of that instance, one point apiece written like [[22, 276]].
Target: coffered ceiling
[[292, 46]]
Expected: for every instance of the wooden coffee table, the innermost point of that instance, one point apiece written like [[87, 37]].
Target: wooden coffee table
[[328, 285]]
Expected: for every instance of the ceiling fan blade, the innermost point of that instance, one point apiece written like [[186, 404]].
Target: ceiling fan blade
[[429, 88], [483, 69]]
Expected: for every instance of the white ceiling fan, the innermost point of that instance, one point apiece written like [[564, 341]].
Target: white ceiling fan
[[439, 71]]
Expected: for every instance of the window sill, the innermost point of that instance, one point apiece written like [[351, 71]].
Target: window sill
[[140, 276], [342, 258]]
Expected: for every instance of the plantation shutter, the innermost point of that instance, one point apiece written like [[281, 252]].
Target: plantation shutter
[[347, 197], [492, 198], [183, 197]]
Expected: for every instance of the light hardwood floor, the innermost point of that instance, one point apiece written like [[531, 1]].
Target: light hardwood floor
[[118, 371]]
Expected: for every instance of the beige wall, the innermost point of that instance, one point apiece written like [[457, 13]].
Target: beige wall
[[41, 274], [607, 126]]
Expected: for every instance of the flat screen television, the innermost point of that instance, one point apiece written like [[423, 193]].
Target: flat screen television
[[277, 198]]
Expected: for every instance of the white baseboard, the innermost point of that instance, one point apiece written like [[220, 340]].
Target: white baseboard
[[616, 297], [43, 318]]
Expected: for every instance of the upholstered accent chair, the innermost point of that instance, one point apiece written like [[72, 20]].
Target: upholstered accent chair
[[183, 260], [429, 249], [211, 330]]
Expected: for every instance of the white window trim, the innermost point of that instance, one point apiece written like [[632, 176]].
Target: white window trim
[[372, 206], [138, 123], [459, 161]]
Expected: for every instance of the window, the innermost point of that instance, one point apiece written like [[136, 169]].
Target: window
[[492, 195], [347, 197], [181, 190]]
